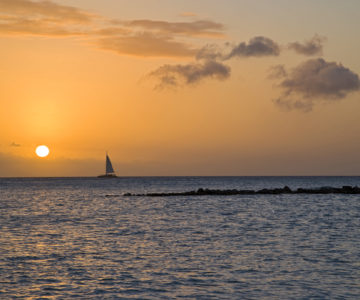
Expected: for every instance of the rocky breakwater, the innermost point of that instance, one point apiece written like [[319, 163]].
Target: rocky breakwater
[[276, 191]]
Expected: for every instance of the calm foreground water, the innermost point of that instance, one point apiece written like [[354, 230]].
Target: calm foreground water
[[63, 238]]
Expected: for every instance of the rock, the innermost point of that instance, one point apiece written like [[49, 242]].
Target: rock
[[286, 189], [277, 191]]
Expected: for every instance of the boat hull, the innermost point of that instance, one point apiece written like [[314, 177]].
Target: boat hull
[[107, 176]]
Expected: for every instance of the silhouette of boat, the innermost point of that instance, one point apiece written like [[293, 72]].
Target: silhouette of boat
[[109, 170]]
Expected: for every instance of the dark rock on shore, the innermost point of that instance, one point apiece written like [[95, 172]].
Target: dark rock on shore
[[277, 191]]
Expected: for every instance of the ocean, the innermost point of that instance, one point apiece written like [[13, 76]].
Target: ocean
[[65, 238]]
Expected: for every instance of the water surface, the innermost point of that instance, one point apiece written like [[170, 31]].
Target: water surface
[[63, 238]]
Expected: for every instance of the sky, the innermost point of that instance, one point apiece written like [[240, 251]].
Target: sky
[[206, 87]]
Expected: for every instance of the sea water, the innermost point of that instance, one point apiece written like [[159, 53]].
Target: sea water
[[64, 238]]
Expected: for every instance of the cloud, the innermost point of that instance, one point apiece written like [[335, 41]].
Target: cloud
[[152, 38], [57, 12], [113, 31], [175, 75], [314, 46], [146, 38], [276, 72], [210, 62], [18, 26], [147, 45], [316, 80], [143, 37], [13, 144], [257, 46], [200, 28], [44, 18], [210, 51]]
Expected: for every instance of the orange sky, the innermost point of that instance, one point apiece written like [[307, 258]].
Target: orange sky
[[179, 88]]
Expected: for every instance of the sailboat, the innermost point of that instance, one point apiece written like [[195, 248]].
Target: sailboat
[[109, 170]]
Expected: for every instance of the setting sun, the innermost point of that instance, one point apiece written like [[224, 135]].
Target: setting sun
[[42, 151]]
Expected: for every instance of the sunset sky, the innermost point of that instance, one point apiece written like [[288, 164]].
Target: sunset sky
[[167, 87]]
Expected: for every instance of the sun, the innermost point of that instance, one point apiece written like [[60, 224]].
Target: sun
[[42, 151]]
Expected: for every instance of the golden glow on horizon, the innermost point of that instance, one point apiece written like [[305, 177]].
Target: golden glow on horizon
[[42, 151]]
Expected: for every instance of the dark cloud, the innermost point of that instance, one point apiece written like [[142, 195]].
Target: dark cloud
[[175, 75], [204, 28], [288, 104], [316, 80], [257, 46], [210, 62], [147, 45], [314, 46], [210, 52]]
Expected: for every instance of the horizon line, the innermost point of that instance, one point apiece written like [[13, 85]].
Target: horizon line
[[162, 176]]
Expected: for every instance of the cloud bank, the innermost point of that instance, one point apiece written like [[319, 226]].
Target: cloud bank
[[313, 81], [210, 62], [139, 37], [145, 38]]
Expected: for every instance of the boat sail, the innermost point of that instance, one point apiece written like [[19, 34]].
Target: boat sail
[[109, 170]]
